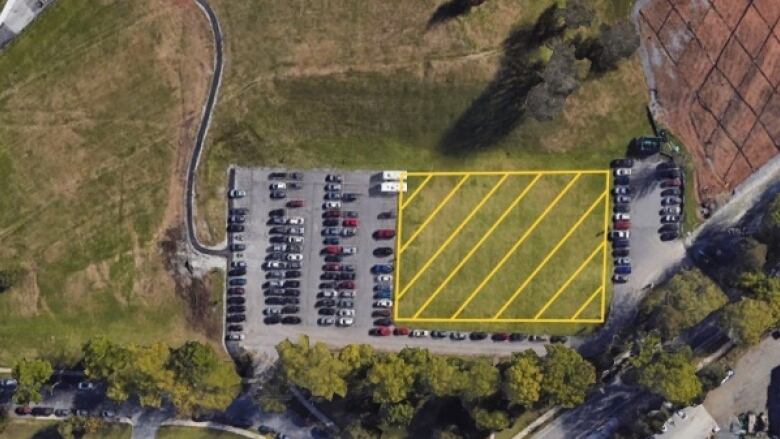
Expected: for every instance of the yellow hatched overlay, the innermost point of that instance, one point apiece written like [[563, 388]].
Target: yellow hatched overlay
[[502, 247]]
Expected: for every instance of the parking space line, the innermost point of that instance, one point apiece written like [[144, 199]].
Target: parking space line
[[484, 173], [454, 234], [479, 243], [604, 263], [416, 191], [587, 302], [569, 281], [549, 256], [489, 320], [399, 223], [516, 245], [430, 218]]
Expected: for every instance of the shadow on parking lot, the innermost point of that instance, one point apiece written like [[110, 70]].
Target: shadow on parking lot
[[773, 401]]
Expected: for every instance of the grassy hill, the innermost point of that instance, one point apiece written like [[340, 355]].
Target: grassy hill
[[368, 84], [97, 105]]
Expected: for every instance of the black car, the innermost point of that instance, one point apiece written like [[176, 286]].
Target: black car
[[277, 230], [274, 291], [290, 301], [272, 320], [264, 429], [277, 175], [669, 236], [620, 243], [517, 337], [327, 285], [235, 228], [292, 274], [238, 281], [558, 339], [294, 265], [621, 208], [439, 334], [351, 214], [620, 252], [294, 248], [383, 251], [294, 186], [671, 192], [331, 222], [236, 318], [331, 240], [325, 303], [332, 196], [237, 247], [235, 328], [61, 413], [236, 300], [381, 313], [334, 258], [327, 311], [290, 309], [238, 211], [329, 275], [477, 336], [240, 271], [277, 212], [278, 195], [277, 239], [622, 163], [346, 303], [346, 275], [669, 173], [236, 308], [292, 283], [621, 180], [292, 292], [671, 227], [275, 256], [275, 301], [236, 219], [291, 320], [295, 176], [42, 411], [349, 196], [275, 221], [235, 290], [383, 322]]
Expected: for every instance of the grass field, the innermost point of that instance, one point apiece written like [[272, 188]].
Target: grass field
[[194, 433], [97, 102], [494, 251], [362, 84], [25, 429]]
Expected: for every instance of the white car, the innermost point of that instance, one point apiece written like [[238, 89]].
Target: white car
[[238, 238], [295, 230], [345, 321], [327, 294], [622, 171], [296, 220], [621, 234], [347, 294], [419, 333], [621, 217], [295, 257], [238, 264], [325, 321], [621, 190], [294, 239], [384, 278], [86, 385], [279, 248], [333, 187], [622, 199], [349, 250], [332, 205], [278, 186], [276, 283], [276, 265], [623, 261], [8, 382], [347, 312], [234, 337], [671, 210], [236, 193], [383, 303]]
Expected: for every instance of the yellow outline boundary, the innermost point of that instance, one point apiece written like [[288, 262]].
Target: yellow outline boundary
[[400, 246]]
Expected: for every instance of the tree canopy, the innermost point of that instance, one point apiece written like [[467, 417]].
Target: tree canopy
[[671, 375], [523, 379], [567, 376], [747, 320], [30, 375], [391, 379], [313, 368]]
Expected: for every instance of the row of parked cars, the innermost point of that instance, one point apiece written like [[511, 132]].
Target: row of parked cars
[[235, 302], [621, 219], [671, 200], [336, 298]]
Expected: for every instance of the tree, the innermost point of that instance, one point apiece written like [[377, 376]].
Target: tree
[[747, 320], [615, 43], [357, 357], [494, 420], [442, 377], [567, 376], [673, 376], [31, 375], [356, 430], [391, 379], [523, 379], [76, 427], [313, 368], [192, 362], [396, 415], [104, 359], [770, 223], [482, 380]]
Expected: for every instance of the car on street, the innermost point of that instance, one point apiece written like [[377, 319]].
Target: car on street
[[236, 193], [667, 219], [326, 321], [670, 201]]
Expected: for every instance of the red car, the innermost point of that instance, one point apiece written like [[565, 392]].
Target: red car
[[381, 331], [401, 331], [332, 214], [333, 249], [331, 267], [623, 225], [500, 336], [675, 182], [346, 285], [350, 222], [384, 234], [23, 410], [295, 203]]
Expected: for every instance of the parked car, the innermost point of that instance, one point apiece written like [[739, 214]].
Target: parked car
[[620, 243], [347, 294], [622, 180], [8, 382], [621, 216], [669, 236], [278, 212], [236, 300], [440, 334], [670, 201], [326, 321], [350, 222], [419, 333], [621, 234], [331, 240], [383, 303], [671, 192], [237, 281], [42, 411], [622, 225], [327, 311], [499, 336], [621, 190], [331, 214], [278, 195], [384, 234], [349, 196], [346, 285], [234, 337], [620, 252], [295, 176], [383, 251], [622, 199], [647, 145], [475, 336], [336, 178], [622, 172], [517, 337], [332, 196], [345, 321], [290, 309], [670, 210], [386, 215], [237, 247], [235, 318], [558, 339], [295, 203], [277, 175], [623, 261], [623, 269], [291, 320], [325, 303], [380, 313], [237, 219], [235, 328], [294, 257], [236, 193], [383, 322], [621, 208], [381, 331], [273, 320], [331, 205], [23, 410], [347, 232], [384, 278], [673, 182], [235, 228], [666, 219], [61, 413], [401, 330], [619, 278], [622, 163], [382, 268]]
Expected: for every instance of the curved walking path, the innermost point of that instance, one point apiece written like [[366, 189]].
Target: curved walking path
[[208, 110]]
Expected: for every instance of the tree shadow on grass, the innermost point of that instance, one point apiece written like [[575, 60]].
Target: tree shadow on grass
[[500, 108], [451, 9]]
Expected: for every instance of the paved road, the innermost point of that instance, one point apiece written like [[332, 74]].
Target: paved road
[[208, 110]]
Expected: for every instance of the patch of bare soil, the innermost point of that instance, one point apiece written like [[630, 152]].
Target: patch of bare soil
[[713, 67]]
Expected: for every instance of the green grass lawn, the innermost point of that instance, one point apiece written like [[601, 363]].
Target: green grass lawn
[[27, 429], [91, 102], [194, 433], [479, 286]]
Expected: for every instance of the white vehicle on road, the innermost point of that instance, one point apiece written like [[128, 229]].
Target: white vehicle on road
[[295, 257]]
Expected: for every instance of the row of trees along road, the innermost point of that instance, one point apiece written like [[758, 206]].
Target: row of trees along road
[[389, 391]]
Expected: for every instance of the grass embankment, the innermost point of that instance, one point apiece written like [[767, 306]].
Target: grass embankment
[[194, 433], [487, 281], [94, 101], [26, 429]]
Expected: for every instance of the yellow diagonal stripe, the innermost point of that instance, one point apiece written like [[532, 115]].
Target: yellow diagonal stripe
[[416, 191], [433, 214], [569, 281], [587, 302], [516, 245], [455, 233], [479, 243], [549, 256]]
